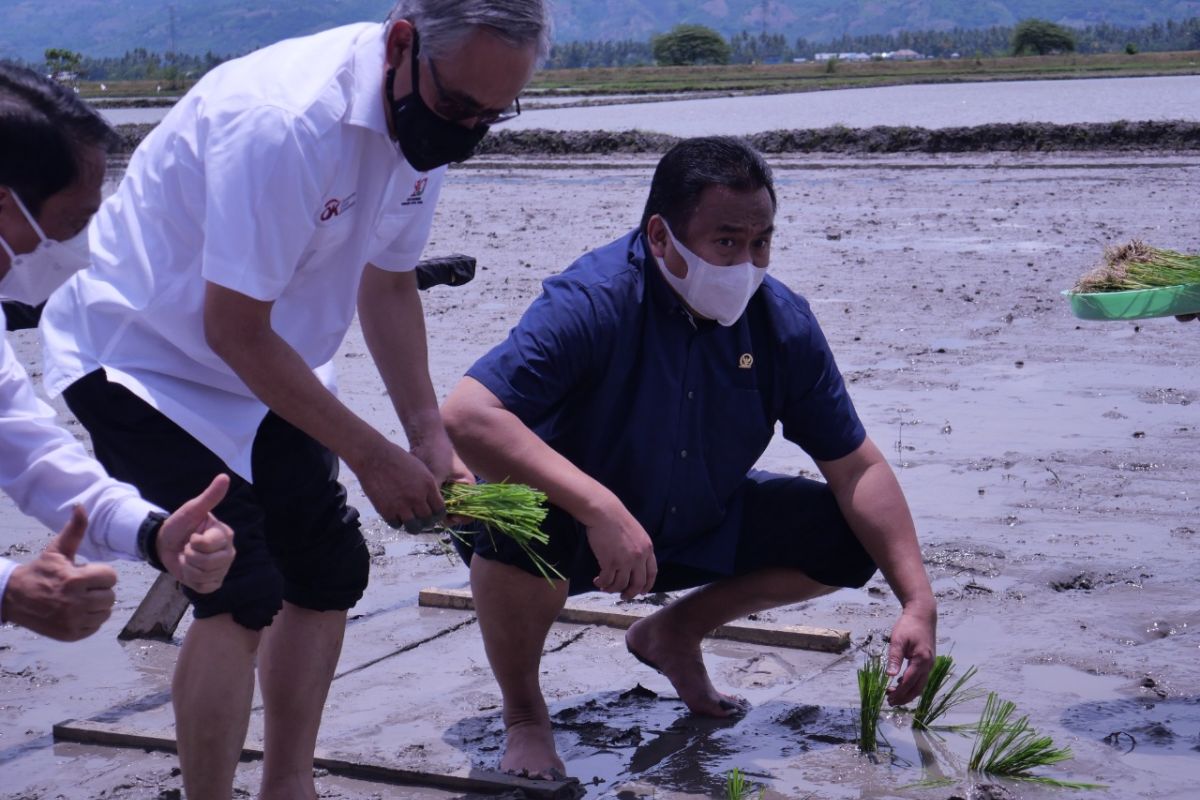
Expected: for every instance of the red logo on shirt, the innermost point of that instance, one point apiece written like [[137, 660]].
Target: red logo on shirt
[[414, 199], [337, 207]]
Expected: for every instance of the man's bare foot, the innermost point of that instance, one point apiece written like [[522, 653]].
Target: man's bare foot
[[679, 659], [530, 753]]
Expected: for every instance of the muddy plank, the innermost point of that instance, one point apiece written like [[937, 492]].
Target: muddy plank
[[471, 780], [159, 613], [801, 637]]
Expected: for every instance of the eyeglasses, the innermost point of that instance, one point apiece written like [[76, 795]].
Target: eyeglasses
[[455, 110]]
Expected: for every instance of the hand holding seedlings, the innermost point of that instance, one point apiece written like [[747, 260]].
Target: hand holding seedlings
[[399, 485], [913, 641]]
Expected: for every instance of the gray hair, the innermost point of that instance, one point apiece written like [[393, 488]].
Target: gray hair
[[443, 24]]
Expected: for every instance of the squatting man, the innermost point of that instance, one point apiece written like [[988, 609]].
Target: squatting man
[[638, 392]]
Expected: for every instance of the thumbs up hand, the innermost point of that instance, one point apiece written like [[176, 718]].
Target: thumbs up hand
[[194, 547], [53, 597]]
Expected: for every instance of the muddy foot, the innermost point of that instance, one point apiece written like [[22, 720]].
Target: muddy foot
[[529, 753], [683, 665]]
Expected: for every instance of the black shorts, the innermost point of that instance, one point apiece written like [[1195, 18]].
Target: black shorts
[[775, 521], [296, 538]]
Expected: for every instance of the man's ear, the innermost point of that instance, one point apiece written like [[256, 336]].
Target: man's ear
[[656, 233], [399, 39]]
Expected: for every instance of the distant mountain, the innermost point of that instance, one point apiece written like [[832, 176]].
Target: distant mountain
[[110, 27]]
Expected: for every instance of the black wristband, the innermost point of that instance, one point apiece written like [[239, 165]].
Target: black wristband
[[147, 539]]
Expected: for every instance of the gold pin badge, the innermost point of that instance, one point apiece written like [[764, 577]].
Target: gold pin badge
[[746, 361]]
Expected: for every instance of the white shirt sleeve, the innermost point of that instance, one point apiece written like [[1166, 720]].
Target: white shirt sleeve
[[6, 571], [260, 192], [46, 472]]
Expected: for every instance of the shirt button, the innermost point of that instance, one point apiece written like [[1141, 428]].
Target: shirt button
[[691, 395], [683, 453], [673, 509]]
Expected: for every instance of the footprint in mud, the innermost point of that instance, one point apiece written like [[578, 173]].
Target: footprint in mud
[[1162, 727], [814, 724]]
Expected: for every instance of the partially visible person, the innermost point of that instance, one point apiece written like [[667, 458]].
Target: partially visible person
[[638, 392], [52, 156], [288, 191]]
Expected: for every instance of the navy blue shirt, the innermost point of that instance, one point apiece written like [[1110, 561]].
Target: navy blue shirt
[[670, 413]]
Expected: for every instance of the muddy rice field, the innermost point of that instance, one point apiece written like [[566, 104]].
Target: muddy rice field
[[1052, 466]]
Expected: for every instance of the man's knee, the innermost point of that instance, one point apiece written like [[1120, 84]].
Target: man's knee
[[332, 577]]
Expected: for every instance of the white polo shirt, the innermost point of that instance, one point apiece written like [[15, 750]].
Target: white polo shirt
[[47, 473], [274, 177]]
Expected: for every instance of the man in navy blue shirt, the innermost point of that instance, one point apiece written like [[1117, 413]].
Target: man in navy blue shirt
[[638, 392]]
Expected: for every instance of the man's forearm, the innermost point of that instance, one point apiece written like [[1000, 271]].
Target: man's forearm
[[278, 376], [874, 506], [393, 325], [879, 515], [496, 445]]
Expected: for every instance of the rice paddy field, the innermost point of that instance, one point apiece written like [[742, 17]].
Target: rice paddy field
[[1051, 465]]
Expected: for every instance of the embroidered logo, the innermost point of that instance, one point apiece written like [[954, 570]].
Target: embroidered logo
[[335, 207], [746, 361], [416, 198]]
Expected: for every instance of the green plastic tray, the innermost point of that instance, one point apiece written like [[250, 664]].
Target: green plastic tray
[[1137, 304]]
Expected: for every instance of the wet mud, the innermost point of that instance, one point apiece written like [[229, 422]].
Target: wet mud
[[1016, 138], [1051, 465]]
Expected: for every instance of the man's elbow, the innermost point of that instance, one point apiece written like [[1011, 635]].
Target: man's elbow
[[465, 415], [219, 339]]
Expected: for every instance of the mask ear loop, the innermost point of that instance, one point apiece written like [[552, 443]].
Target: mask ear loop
[[29, 217], [8, 251]]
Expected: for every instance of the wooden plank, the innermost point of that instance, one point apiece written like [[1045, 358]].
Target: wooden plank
[[472, 780], [159, 613], [800, 637]]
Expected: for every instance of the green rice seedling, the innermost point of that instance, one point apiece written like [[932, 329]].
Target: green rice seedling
[[1010, 749], [509, 509], [1137, 265], [873, 682], [738, 788], [936, 703]]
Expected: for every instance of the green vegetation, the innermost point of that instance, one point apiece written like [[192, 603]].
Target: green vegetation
[[1137, 265], [782, 78], [1011, 749], [690, 45], [936, 703], [509, 509], [1041, 37], [738, 788], [59, 60], [873, 682]]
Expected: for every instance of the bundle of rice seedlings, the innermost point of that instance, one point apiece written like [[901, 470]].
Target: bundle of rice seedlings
[[1137, 265], [1011, 749], [934, 702], [873, 682], [738, 788], [508, 509]]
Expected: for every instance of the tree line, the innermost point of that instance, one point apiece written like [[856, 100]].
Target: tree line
[[758, 48], [742, 48]]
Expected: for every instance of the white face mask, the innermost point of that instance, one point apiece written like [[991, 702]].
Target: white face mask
[[720, 293], [32, 277]]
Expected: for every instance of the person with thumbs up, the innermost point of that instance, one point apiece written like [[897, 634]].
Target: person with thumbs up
[[53, 596], [52, 160]]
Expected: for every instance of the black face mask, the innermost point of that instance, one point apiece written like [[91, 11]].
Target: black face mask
[[426, 140]]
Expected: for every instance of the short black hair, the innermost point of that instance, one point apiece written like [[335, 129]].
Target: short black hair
[[43, 126], [691, 166]]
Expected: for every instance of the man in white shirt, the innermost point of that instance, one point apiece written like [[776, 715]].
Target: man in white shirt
[[52, 157], [287, 190]]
